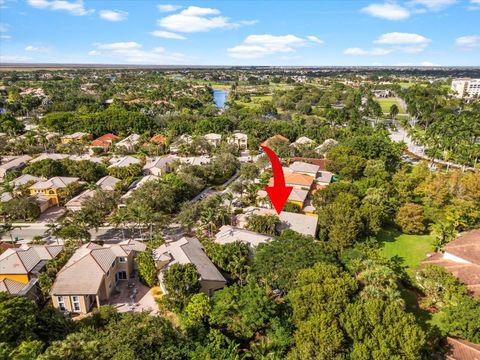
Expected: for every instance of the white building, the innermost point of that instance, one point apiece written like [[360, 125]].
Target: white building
[[466, 87]]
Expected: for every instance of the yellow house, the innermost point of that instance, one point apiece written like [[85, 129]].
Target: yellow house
[[25, 263], [51, 188], [74, 137]]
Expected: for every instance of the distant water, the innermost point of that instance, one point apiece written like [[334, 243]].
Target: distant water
[[220, 97]]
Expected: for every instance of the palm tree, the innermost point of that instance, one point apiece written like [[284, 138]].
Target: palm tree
[[7, 228], [117, 219], [53, 229], [207, 218]]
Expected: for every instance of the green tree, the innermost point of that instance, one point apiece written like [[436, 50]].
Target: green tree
[[264, 224], [181, 282], [410, 219], [146, 267]]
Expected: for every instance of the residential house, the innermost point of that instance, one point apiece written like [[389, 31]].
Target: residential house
[[124, 161], [52, 156], [322, 163], [297, 180], [129, 143], [182, 139], [229, 234], [51, 189], [303, 141], [213, 139], [274, 138], [189, 251], [75, 204], [90, 276], [24, 180], [303, 224], [323, 178], [20, 267], [159, 166], [461, 258], [104, 141], [158, 139], [305, 168], [458, 349], [16, 163], [196, 160], [75, 137], [134, 186], [86, 157], [297, 197], [325, 146], [239, 139], [107, 183]]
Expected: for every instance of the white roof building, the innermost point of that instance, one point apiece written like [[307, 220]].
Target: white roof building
[[129, 142], [53, 156], [124, 161], [229, 234], [107, 183]]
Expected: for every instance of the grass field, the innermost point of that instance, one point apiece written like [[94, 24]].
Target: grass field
[[256, 100], [411, 249], [387, 103]]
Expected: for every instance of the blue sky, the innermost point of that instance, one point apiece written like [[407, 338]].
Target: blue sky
[[376, 32]]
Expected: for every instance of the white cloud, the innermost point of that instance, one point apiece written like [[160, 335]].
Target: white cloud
[[114, 15], [434, 5], [32, 48], [405, 42], [397, 38], [198, 19], [468, 42], [5, 37], [4, 28], [74, 8], [133, 52], [315, 39], [167, 35], [258, 46], [356, 51], [427, 63], [168, 7], [388, 11]]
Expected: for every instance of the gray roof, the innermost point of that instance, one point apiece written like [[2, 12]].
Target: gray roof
[[189, 251], [58, 182], [83, 273], [160, 162], [303, 167], [11, 287], [19, 261], [24, 179], [107, 183], [19, 161], [229, 234], [125, 161], [52, 156]]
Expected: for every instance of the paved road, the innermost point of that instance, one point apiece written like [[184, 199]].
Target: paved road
[[25, 232], [401, 134]]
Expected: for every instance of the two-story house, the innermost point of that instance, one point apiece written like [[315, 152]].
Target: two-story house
[[90, 276], [51, 189]]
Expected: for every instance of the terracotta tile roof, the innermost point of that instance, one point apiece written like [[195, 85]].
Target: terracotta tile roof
[[296, 179], [275, 137], [105, 140], [160, 139], [466, 246], [462, 350]]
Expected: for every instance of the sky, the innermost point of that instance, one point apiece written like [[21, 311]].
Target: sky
[[249, 32]]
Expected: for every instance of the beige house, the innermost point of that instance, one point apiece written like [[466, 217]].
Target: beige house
[[159, 166], [189, 251], [239, 139], [90, 277], [213, 139]]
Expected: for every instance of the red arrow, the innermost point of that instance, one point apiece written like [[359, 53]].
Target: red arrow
[[278, 193]]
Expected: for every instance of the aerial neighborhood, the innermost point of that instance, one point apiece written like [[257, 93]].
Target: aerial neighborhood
[[133, 199]]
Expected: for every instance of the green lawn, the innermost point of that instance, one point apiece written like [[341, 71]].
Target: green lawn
[[411, 249], [386, 103], [256, 100]]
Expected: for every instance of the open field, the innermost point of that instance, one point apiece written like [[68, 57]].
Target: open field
[[256, 100], [388, 102], [411, 249]]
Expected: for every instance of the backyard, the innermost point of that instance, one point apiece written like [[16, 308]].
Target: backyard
[[411, 249]]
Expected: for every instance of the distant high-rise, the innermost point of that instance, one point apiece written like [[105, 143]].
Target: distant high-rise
[[466, 87]]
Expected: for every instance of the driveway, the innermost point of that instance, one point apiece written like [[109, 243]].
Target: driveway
[[52, 214]]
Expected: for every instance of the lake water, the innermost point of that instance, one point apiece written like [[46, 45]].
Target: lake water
[[220, 97]]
